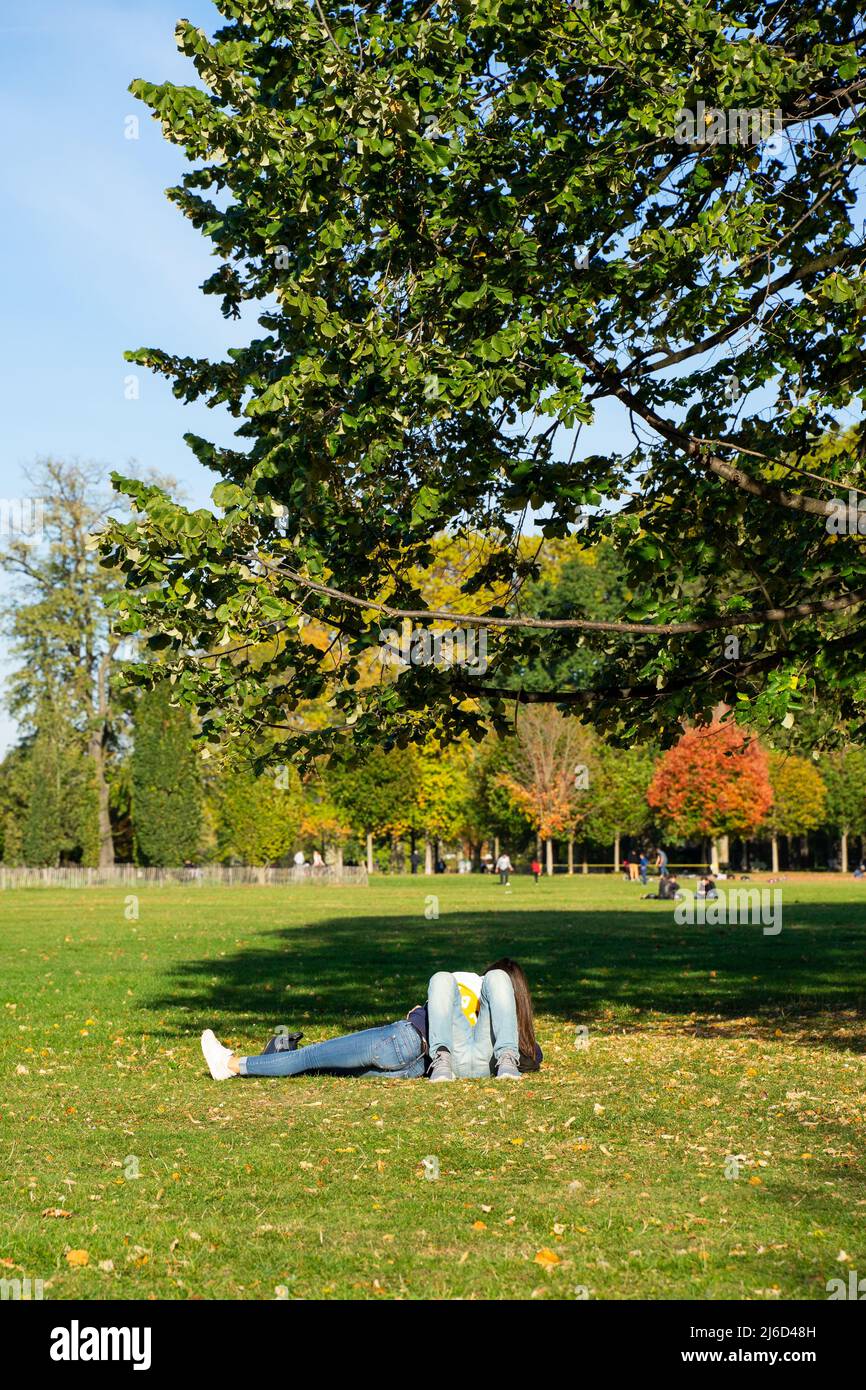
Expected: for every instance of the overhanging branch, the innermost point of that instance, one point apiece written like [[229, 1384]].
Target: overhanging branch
[[749, 619]]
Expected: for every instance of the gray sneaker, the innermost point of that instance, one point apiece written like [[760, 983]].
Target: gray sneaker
[[441, 1068], [507, 1067]]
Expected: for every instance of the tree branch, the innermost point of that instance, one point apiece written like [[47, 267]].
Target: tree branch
[[766, 615]]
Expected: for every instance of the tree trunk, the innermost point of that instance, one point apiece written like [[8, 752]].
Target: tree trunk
[[714, 857], [548, 848], [338, 858], [571, 854], [370, 864], [106, 844], [97, 755], [495, 848], [428, 856], [724, 851], [774, 845], [843, 853], [616, 853], [584, 868]]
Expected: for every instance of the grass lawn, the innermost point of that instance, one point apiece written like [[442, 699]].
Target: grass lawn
[[604, 1172]]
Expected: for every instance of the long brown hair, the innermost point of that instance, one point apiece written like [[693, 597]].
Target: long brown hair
[[523, 1000]]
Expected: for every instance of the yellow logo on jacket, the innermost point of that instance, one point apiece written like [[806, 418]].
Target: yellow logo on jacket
[[469, 987]]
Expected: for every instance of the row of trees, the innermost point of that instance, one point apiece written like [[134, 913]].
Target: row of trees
[[104, 769], [552, 781]]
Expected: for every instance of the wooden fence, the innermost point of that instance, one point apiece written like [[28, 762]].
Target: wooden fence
[[130, 875]]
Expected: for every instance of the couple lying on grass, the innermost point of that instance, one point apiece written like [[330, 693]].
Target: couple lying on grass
[[471, 1025]]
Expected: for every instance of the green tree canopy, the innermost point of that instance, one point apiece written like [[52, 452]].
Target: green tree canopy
[[259, 816], [61, 820], [619, 800], [378, 792], [799, 796], [166, 796], [462, 226]]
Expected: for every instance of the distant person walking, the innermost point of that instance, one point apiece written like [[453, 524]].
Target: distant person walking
[[504, 867], [535, 866], [643, 867], [414, 860], [662, 863]]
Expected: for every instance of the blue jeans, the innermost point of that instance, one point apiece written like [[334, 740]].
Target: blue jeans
[[474, 1050], [396, 1049]]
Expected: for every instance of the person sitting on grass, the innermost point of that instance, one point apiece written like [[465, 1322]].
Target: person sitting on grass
[[398, 1049], [669, 889], [707, 887], [481, 1025]]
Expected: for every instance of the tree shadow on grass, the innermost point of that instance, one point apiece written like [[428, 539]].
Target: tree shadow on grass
[[604, 968]]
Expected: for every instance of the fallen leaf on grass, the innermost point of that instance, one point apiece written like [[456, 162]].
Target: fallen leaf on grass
[[56, 1211], [548, 1258], [77, 1258]]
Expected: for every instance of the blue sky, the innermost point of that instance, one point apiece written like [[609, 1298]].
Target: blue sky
[[96, 259]]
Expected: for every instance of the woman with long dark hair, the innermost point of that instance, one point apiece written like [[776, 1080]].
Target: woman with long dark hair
[[494, 1034]]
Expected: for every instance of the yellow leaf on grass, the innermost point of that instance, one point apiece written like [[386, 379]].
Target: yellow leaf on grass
[[546, 1257], [479, 1225], [77, 1258]]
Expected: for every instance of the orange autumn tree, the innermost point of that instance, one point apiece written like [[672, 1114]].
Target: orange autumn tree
[[714, 782]]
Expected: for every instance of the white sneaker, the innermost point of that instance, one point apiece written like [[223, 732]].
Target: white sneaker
[[216, 1056]]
